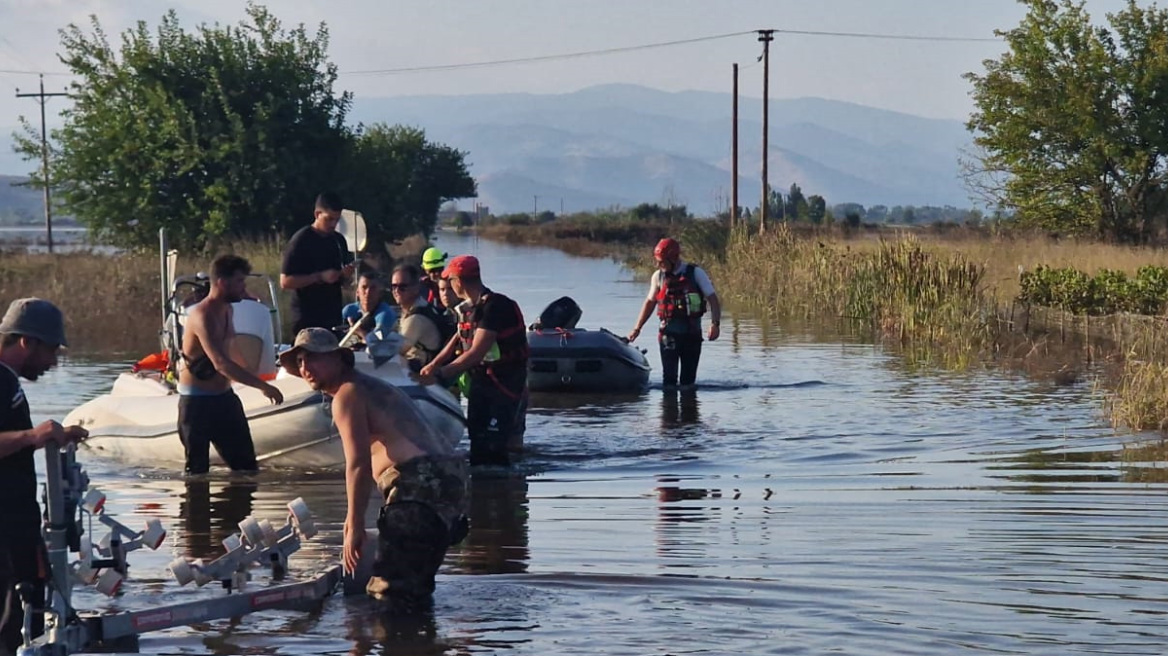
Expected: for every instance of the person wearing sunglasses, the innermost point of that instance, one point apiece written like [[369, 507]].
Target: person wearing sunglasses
[[423, 328]]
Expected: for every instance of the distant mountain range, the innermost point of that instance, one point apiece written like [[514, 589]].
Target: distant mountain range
[[625, 144]]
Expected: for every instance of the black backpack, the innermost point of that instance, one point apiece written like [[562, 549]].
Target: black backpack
[[446, 327]]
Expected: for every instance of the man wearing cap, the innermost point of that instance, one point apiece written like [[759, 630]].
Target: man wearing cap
[[31, 334], [209, 412], [386, 439], [494, 350], [316, 263], [433, 262]]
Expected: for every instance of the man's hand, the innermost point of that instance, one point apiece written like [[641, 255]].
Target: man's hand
[[53, 431], [273, 393], [330, 276], [429, 371], [348, 269], [354, 545], [715, 331], [75, 433], [633, 334]]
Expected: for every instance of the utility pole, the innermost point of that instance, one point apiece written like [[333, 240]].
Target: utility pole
[[766, 36], [734, 157], [534, 209], [42, 98]]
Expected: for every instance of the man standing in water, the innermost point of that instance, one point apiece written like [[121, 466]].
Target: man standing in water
[[209, 412], [386, 439], [494, 350], [316, 263], [681, 292], [31, 334]]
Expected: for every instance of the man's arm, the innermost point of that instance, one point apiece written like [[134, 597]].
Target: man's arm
[[47, 431], [483, 341], [350, 414], [289, 282], [646, 310], [213, 338]]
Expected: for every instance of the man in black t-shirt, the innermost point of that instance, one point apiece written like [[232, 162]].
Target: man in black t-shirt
[[494, 350], [316, 264], [31, 334]]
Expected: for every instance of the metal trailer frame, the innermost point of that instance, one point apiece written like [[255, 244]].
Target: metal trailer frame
[[68, 631]]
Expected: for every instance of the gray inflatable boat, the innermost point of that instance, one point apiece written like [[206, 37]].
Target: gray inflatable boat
[[564, 358]]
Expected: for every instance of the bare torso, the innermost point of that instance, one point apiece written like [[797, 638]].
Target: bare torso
[[397, 430], [212, 319]]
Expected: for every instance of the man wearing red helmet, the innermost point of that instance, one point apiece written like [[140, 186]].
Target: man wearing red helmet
[[681, 292]]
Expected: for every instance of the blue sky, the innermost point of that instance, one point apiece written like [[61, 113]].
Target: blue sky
[[922, 78]]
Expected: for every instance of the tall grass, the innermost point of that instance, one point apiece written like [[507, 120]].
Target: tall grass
[[931, 304]]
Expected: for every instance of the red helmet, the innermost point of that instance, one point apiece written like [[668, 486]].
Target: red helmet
[[667, 249]]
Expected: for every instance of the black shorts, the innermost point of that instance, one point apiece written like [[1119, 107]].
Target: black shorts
[[411, 545], [495, 420], [218, 420], [21, 562]]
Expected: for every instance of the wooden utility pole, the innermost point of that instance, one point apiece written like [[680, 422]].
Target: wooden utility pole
[[766, 36], [734, 157], [43, 98]]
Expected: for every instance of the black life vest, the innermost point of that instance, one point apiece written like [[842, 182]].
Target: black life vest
[[680, 301], [442, 321], [510, 344]]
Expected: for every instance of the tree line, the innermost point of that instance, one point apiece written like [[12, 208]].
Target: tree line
[[228, 132]]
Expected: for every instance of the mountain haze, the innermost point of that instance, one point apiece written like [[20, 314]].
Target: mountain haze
[[626, 144], [622, 144]]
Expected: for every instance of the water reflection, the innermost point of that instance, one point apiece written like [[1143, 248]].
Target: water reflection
[[209, 517], [375, 632], [497, 542], [679, 408]]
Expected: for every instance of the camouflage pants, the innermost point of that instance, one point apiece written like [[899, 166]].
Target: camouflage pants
[[411, 544]]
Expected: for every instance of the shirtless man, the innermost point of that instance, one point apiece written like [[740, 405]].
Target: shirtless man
[[209, 412], [386, 439]]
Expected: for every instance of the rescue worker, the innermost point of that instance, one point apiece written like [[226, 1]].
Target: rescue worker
[[682, 293], [494, 343], [433, 262]]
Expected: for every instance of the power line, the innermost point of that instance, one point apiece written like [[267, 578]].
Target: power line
[[623, 49], [16, 72], [894, 37], [541, 58]]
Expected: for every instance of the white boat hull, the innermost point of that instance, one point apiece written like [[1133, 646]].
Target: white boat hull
[[136, 423]]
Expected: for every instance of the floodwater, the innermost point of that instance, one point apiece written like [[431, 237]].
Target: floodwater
[[813, 496]]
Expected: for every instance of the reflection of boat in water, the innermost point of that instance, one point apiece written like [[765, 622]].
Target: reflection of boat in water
[[136, 422], [565, 358]]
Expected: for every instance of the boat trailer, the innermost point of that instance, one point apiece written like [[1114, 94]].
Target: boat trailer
[[72, 507]]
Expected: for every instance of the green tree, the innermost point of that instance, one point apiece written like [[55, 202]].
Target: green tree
[[399, 179], [816, 208], [1070, 122], [225, 129], [796, 206]]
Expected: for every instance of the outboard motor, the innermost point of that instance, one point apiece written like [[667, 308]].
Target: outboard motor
[[561, 313]]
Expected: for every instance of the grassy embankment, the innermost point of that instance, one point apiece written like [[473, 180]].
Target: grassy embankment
[[943, 298], [111, 302]]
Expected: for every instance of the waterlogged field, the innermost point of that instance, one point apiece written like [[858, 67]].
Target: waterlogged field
[[814, 495]]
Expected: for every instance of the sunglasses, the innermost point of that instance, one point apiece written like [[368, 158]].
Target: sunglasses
[[401, 285]]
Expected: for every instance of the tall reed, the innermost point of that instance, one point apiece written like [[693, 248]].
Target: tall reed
[[932, 305]]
